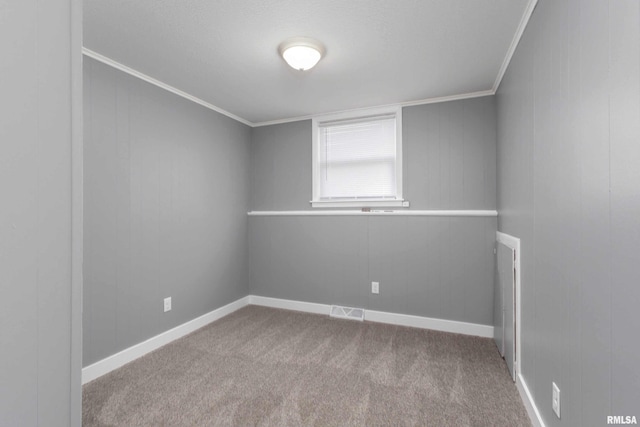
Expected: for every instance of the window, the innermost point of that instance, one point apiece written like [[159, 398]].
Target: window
[[357, 159]]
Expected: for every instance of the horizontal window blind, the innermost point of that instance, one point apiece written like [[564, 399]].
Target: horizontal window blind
[[357, 159]]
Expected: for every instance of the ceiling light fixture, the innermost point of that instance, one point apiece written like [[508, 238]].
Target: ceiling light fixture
[[301, 53]]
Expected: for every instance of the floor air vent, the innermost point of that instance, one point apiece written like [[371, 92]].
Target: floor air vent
[[347, 312]]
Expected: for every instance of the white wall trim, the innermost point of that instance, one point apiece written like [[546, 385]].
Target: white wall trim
[[485, 331], [508, 240], [425, 101], [473, 213], [108, 61], [524, 21], [115, 64], [117, 360], [478, 94], [382, 317], [529, 403], [307, 307], [125, 356], [448, 98], [514, 243], [357, 203]]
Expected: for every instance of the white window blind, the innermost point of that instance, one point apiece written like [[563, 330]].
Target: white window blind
[[357, 159]]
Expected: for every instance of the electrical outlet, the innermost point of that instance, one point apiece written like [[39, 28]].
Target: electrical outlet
[[167, 304], [555, 399], [375, 287]]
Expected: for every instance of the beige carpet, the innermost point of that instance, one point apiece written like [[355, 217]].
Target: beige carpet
[[269, 367]]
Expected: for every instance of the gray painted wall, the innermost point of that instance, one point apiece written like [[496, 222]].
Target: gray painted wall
[[569, 187], [426, 266], [166, 196], [449, 155], [39, 344], [433, 267], [449, 159], [279, 179]]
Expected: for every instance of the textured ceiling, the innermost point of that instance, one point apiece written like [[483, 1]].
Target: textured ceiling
[[378, 51]]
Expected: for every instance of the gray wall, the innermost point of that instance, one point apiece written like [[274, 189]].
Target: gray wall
[[449, 159], [434, 267], [281, 167], [166, 196], [569, 187], [39, 344]]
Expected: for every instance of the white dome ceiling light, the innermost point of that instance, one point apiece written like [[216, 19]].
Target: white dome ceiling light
[[301, 53]]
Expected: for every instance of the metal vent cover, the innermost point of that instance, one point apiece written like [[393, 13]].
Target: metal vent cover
[[347, 312]]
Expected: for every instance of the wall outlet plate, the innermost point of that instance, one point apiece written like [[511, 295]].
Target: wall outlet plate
[[555, 399], [167, 304], [375, 287]]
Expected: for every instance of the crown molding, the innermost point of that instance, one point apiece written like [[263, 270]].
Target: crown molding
[[108, 61], [503, 68], [400, 104], [526, 16], [115, 64]]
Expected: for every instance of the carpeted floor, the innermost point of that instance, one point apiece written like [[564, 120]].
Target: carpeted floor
[[263, 366]]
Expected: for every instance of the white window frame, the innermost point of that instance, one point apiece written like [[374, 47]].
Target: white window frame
[[316, 123]]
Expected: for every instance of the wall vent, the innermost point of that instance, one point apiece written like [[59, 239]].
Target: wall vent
[[347, 312]]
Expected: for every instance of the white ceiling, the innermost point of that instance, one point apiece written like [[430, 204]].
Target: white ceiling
[[378, 52]]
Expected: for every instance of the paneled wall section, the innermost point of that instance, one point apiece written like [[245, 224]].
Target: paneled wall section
[[40, 122], [427, 266], [166, 196], [569, 174]]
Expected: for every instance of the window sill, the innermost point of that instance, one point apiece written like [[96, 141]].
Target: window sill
[[372, 203]]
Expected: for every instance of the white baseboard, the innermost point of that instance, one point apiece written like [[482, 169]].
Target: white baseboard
[[443, 325], [127, 355], [382, 317], [529, 404], [307, 307]]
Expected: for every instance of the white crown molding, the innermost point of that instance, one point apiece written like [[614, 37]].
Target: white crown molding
[[118, 66], [436, 100], [503, 68], [526, 16], [439, 99]]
